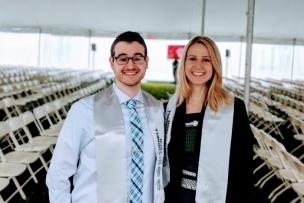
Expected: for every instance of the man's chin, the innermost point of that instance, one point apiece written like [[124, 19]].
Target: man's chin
[[132, 84]]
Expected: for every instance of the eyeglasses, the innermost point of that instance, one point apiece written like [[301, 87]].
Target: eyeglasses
[[124, 60]]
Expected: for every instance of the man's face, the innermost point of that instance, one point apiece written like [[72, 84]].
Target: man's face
[[129, 72]]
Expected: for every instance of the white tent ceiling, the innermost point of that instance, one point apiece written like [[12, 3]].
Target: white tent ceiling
[[277, 21]]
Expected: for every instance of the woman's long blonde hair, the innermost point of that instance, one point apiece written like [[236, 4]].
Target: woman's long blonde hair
[[216, 96]]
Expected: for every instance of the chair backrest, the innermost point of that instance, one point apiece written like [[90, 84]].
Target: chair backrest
[[258, 137], [8, 102], [281, 152], [27, 117], [58, 104], [2, 105], [2, 157], [49, 107], [42, 117], [297, 167], [267, 139], [39, 112], [15, 123], [7, 88], [4, 129], [296, 123]]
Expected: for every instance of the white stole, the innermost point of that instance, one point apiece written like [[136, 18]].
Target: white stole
[[111, 156], [213, 168]]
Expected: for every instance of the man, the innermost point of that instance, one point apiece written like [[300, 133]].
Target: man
[[113, 150]]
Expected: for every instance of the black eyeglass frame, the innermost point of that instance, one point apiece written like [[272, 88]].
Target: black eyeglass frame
[[129, 58]]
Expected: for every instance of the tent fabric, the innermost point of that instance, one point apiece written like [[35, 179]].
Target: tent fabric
[[279, 21]]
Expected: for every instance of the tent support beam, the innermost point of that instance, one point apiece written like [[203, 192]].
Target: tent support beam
[[249, 40], [203, 17], [293, 57]]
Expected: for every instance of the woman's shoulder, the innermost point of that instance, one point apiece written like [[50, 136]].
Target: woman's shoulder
[[238, 101], [239, 106], [171, 102]]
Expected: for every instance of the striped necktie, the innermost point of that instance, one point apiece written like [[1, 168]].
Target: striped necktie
[[137, 155]]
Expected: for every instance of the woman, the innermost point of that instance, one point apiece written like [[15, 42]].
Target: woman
[[209, 141]]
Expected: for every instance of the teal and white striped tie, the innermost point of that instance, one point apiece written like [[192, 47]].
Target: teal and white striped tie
[[137, 155]]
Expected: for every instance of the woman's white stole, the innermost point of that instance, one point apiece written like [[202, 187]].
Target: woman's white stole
[[214, 155], [213, 168]]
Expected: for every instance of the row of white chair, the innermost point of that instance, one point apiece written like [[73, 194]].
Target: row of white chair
[[26, 150], [28, 147], [282, 164]]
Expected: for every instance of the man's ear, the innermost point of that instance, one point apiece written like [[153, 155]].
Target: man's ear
[[111, 61], [147, 61]]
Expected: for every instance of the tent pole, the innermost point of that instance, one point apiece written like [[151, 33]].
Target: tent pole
[[39, 48], [90, 49], [293, 56], [249, 40], [203, 17], [241, 55]]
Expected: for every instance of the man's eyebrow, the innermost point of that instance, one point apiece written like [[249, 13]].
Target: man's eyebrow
[[139, 54], [136, 54], [122, 54]]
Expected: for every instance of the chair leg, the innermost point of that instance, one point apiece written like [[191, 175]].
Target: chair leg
[[10, 142], [259, 167], [279, 193], [295, 200], [275, 190], [298, 147], [43, 162], [267, 179], [264, 177], [19, 188], [32, 173]]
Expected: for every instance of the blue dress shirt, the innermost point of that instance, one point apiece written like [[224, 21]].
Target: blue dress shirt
[[74, 154]]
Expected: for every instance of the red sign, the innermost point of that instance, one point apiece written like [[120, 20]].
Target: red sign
[[175, 51]]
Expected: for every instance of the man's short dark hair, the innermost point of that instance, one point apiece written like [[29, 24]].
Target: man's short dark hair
[[129, 36]]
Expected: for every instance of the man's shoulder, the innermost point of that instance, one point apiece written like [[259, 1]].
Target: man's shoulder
[[81, 110], [151, 99], [84, 103]]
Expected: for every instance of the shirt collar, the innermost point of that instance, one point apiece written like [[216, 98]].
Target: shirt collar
[[123, 98]]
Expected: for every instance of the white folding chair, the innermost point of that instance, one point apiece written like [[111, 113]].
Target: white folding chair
[[16, 125], [10, 107], [272, 160], [28, 118], [4, 182], [43, 118], [285, 174], [52, 113], [60, 107], [13, 156], [298, 126], [298, 185], [11, 171]]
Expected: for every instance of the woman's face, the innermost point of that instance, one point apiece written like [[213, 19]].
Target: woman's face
[[198, 65]]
